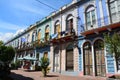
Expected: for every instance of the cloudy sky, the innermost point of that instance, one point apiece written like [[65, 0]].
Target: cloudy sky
[[17, 15]]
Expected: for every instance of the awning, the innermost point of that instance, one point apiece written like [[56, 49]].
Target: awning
[[20, 58], [29, 58]]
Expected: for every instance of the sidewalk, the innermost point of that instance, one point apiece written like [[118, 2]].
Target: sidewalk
[[37, 75]]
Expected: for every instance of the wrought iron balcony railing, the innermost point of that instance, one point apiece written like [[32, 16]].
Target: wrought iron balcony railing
[[70, 32], [41, 42]]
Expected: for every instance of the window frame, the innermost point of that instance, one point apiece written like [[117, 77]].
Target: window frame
[[89, 10]]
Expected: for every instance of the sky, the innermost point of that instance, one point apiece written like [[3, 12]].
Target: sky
[[17, 15]]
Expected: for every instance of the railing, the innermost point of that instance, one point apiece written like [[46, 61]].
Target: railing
[[61, 34], [24, 46], [41, 42], [107, 20]]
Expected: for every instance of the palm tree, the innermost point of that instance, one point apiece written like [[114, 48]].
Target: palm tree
[[44, 65]]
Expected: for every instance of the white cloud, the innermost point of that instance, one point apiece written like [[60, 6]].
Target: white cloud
[[7, 36], [18, 32]]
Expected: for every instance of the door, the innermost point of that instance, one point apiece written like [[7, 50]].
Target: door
[[56, 60], [56, 63], [100, 69], [88, 67], [69, 60]]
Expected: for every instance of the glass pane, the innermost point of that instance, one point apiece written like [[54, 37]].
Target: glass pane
[[118, 6], [93, 17], [88, 19], [67, 25], [112, 8]]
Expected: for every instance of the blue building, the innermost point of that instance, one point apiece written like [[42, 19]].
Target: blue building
[[42, 42], [95, 18]]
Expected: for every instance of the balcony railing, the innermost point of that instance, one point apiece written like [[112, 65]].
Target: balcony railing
[[107, 20], [41, 42], [25, 46], [70, 32]]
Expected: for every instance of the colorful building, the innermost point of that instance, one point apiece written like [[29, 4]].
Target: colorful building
[[64, 53], [72, 38], [97, 17], [42, 43]]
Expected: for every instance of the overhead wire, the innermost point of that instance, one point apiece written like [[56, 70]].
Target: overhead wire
[[46, 5]]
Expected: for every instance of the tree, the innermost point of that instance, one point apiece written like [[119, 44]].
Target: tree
[[112, 43], [1, 43], [7, 53], [44, 65]]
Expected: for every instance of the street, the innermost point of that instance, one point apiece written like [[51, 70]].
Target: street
[[37, 75]]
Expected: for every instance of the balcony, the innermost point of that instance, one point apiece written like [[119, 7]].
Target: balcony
[[24, 47], [107, 23], [41, 42], [65, 36]]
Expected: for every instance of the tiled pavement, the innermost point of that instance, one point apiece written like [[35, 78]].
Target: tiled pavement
[[37, 75]]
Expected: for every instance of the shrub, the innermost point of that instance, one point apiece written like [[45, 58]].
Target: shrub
[[44, 65]]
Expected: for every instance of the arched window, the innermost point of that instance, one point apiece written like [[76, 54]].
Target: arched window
[[99, 58], [39, 34], [69, 23], [90, 17], [47, 33], [87, 56], [33, 36], [57, 28], [28, 37], [18, 42], [114, 7], [69, 58]]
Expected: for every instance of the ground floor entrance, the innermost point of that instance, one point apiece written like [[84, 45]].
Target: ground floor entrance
[[95, 54]]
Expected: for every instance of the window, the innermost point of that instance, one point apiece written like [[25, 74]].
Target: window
[[28, 37], [18, 42], [90, 17], [34, 35], [57, 28], [114, 7], [69, 23], [47, 33], [46, 54], [39, 35], [37, 56]]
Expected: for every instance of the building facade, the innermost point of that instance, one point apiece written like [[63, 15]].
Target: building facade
[[42, 42], [97, 17], [72, 38], [64, 53]]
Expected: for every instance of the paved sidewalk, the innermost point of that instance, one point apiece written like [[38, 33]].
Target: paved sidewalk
[[37, 75]]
